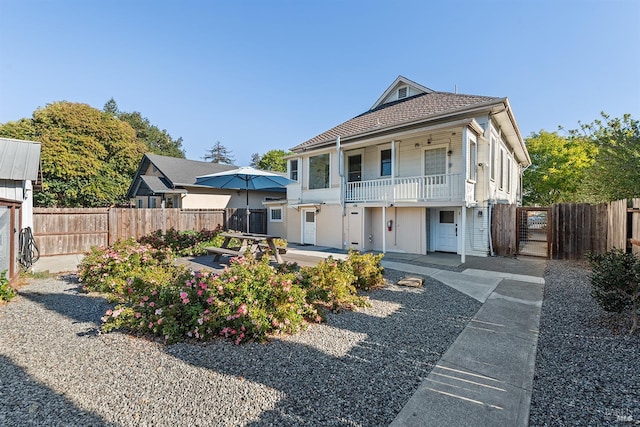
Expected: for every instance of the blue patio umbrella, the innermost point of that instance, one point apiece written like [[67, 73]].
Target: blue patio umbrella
[[245, 178]]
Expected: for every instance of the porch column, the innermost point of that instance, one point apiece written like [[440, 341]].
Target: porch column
[[384, 227], [463, 236], [393, 172]]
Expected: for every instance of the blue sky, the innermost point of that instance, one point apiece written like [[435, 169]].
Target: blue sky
[[260, 75]]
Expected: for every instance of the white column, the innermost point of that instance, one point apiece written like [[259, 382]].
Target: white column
[[384, 228], [463, 233], [393, 172]]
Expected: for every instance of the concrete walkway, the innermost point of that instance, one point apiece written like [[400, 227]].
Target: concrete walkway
[[486, 377]]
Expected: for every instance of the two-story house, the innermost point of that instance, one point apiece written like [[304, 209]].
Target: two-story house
[[418, 172]]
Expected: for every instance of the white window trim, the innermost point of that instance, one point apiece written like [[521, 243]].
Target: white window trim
[[382, 148], [502, 169], [447, 162], [346, 155], [472, 161], [271, 210], [493, 150], [308, 177], [509, 166], [289, 170]]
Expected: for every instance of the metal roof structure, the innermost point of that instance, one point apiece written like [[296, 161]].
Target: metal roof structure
[[19, 160]]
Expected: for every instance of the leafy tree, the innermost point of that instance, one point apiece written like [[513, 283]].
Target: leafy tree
[[219, 154], [88, 157], [559, 165], [157, 141], [273, 160], [255, 159], [615, 174]]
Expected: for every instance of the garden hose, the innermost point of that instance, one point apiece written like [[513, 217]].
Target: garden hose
[[29, 252]]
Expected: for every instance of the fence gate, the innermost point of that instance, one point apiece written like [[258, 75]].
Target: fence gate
[[533, 232]]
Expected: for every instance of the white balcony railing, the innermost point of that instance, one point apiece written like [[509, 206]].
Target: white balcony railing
[[418, 188]]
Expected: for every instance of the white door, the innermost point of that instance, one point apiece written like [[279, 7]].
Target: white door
[[309, 227], [446, 231]]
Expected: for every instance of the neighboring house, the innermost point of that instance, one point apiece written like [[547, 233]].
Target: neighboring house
[[163, 181], [416, 173], [19, 165]]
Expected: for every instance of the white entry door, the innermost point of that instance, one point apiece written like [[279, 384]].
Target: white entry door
[[447, 231], [309, 227]]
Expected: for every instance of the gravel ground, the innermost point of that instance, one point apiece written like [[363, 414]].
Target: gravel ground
[[587, 368], [359, 368]]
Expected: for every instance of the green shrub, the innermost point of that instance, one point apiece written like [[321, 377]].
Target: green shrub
[[615, 282], [367, 269], [331, 283], [248, 301], [183, 243], [6, 291], [109, 269]]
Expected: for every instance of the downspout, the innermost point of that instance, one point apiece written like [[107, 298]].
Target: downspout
[[521, 186], [342, 187], [489, 228], [465, 156]]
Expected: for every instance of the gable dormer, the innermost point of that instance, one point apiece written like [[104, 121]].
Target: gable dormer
[[400, 89]]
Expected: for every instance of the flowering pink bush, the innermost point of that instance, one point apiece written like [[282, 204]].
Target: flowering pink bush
[[108, 269], [183, 243], [249, 300]]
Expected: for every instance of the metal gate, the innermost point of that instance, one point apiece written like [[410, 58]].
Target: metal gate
[[533, 231]]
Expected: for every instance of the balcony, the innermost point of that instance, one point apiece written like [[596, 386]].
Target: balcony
[[417, 188]]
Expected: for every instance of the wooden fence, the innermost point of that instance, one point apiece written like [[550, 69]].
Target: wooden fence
[[575, 228], [59, 231]]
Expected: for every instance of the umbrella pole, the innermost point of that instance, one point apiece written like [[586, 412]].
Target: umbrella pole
[[248, 213]]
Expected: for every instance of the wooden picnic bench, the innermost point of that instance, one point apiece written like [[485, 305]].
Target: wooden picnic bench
[[221, 251], [254, 243]]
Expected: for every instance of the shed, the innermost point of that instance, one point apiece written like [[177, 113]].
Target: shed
[[19, 165]]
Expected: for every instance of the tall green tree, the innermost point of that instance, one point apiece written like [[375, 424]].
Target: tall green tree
[[218, 153], [255, 159], [157, 141], [88, 157], [615, 173], [273, 160], [559, 165]]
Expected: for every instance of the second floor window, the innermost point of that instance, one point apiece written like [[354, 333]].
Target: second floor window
[[473, 160], [385, 162], [319, 171], [293, 169]]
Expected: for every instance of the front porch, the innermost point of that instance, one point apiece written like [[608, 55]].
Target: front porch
[[416, 188]]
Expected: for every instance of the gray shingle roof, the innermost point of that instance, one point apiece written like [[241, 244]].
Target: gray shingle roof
[[183, 171], [19, 160], [157, 185], [420, 107]]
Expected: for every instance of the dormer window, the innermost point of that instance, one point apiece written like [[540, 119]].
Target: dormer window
[[402, 92]]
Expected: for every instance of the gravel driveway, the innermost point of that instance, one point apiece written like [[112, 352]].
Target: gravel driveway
[[585, 374], [359, 368]]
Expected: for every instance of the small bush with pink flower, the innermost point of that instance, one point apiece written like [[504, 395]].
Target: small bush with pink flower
[[108, 269], [184, 243], [247, 301]]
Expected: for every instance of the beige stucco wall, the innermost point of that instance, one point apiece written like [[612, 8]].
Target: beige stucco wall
[[202, 198], [277, 228]]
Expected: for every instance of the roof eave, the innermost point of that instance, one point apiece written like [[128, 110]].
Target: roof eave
[[450, 113]]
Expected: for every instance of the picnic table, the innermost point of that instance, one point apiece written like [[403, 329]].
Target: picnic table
[[252, 242]]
